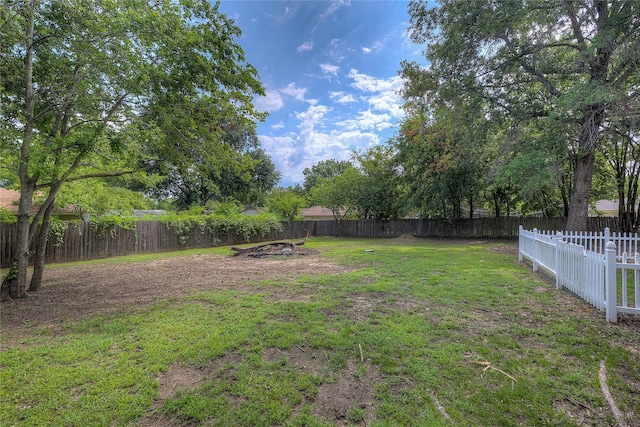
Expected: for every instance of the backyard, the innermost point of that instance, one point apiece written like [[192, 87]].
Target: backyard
[[363, 332]]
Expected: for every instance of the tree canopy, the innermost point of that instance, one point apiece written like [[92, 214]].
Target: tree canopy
[[93, 89], [568, 66]]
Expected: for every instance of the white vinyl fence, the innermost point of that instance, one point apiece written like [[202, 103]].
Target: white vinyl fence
[[601, 268]]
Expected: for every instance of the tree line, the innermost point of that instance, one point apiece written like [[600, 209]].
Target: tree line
[[524, 108]]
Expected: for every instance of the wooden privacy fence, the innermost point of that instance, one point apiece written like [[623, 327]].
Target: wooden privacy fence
[[504, 227], [82, 241], [601, 268]]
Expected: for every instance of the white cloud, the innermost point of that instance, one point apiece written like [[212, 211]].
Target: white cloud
[[369, 121], [380, 94], [312, 117], [316, 141], [292, 90], [289, 11], [305, 47], [366, 50], [271, 102], [330, 69], [367, 83], [342, 98], [333, 7]]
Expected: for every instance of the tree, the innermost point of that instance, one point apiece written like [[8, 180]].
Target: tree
[[96, 197], [443, 146], [622, 153], [87, 86], [286, 203], [322, 170], [226, 163], [379, 196], [572, 61], [339, 193]]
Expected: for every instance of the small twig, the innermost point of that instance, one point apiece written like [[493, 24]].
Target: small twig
[[301, 349], [575, 402], [361, 355], [617, 414], [488, 365]]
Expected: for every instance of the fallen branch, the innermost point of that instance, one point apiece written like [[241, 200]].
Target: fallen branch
[[361, 355], [488, 365], [617, 414], [575, 402]]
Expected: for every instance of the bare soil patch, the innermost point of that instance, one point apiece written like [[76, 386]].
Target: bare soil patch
[[72, 293]]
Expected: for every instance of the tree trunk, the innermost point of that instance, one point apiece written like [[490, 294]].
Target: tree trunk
[[579, 203], [8, 281], [41, 247], [18, 287]]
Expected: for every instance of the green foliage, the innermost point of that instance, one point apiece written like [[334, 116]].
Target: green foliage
[[226, 207], [247, 226], [339, 193], [8, 217], [285, 203], [93, 90], [381, 189], [96, 197], [323, 170], [107, 224], [57, 230], [554, 75]]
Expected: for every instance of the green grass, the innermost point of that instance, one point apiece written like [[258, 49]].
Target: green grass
[[407, 327]]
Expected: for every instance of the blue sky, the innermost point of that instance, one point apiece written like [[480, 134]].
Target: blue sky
[[330, 69]]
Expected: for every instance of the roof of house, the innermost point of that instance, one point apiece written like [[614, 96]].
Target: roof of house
[[9, 199], [317, 211], [607, 205]]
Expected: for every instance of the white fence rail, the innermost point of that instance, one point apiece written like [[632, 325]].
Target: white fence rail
[[601, 268]]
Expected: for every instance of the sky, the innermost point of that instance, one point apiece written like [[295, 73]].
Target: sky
[[330, 71]]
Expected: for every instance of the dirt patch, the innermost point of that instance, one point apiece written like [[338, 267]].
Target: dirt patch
[[72, 293], [346, 396], [182, 378], [348, 399], [509, 247]]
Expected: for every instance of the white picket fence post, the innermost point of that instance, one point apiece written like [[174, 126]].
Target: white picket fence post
[[535, 250], [610, 282], [558, 259], [636, 276], [520, 244]]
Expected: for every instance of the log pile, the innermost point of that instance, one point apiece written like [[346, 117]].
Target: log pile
[[280, 248]]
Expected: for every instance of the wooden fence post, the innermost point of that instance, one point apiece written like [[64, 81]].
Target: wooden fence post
[[610, 282]]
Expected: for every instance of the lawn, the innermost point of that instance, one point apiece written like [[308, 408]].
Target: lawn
[[385, 332]]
